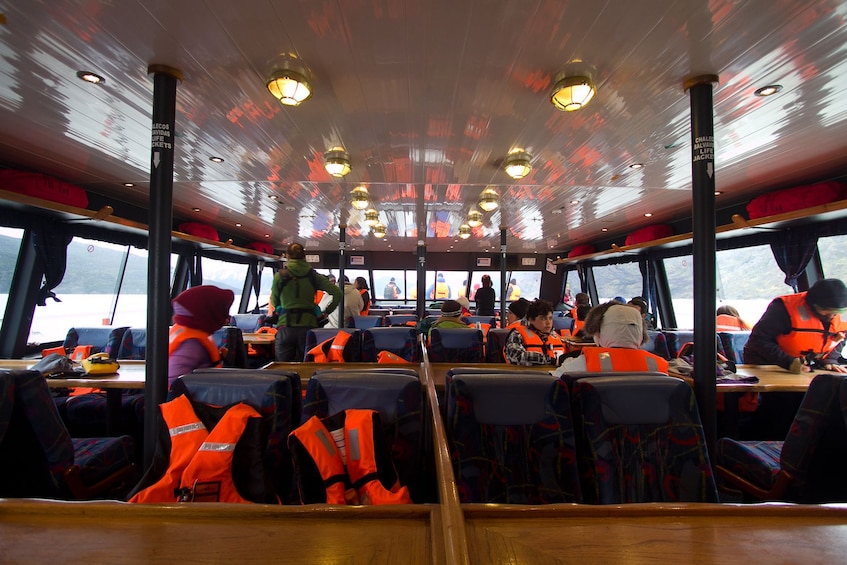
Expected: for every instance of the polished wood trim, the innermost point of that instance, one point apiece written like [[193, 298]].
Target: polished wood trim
[[451, 521], [771, 379], [33, 531]]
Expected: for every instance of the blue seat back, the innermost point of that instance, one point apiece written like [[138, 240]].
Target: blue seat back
[[365, 322], [490, 320], [401, 340], [352, 350], [657, 344], [640, 440], [401, 319], [274, 394], [247, 323], [495, 342], [563, 323], [102, 339], [134, 344], [461, 345], [511, 438], [230, 337], [398, 397], [733, 344]]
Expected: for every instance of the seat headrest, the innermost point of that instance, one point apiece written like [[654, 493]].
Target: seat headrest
[[378, 391], [634, 399], [223, 388], [508, 399], [391, 338]]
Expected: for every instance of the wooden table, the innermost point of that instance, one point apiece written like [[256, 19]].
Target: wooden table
[[772, 378], [259, 338], [131, 375]]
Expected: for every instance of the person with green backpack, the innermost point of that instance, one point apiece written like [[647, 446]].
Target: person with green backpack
[[293, 294]]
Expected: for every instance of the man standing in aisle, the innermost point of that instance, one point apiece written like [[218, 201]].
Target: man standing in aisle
[[293, 288]]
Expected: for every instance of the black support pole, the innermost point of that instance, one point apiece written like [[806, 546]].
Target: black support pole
[[342, 260], [703, 213], [504, 284], [421, 271], [165, 81]]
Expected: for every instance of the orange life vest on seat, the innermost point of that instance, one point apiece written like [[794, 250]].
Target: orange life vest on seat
[[178, 334], [200, 466], [331, 350], [807, 332], [359, 483], [551, 348], [607, 359]]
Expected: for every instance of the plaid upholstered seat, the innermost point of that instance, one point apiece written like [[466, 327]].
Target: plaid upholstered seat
[[496, 341], [101, 339], [398, 397], [809, 465], [38, 458], [365, 322], [511, 438], [352, 350], [401, 320], [640, 440], [133, 344], [733, 344], [657, 344], [401, 340], [460, 345], [274, 394], [231, 339]]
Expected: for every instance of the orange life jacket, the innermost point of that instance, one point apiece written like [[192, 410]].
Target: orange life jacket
[[807, 332], [331, 350], [263, 330], [552, 348], [607, 359], [577, 325], [727, 323], [367, 305], [359, 483], [319, 295], [389, 357], [200, 466], [178, 334]]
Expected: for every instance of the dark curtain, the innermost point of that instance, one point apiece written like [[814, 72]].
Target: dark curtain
[[195, 270], [256, 269], [793, 249], [51, 247]]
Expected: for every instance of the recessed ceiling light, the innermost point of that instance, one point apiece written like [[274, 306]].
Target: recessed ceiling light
[[290, 208], [769, 90], [216, 159], [267, 235], [718, 193], [574, 201], [274, 197], [557, 211], [237, 224], [636, 166], [196, 209], [128, 184], [88, 76], [604, 229], [648, 215]]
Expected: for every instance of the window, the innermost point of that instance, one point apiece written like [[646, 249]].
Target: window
[[523, 284], [623, 279], [383, 287], [88, 300], [476, 283], [833, 259], [748, 279], [10, 245], [681, 286], [225, 275]]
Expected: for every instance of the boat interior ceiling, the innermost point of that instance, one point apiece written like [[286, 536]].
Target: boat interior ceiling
[[428, 99]]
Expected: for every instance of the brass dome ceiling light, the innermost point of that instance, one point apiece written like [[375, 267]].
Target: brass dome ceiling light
[[464, 231], [474, 218], [371, 217], [337, 162], [379, 231], [360, 199], [517, 164], [572, 93], [489, 199], [289, 87]]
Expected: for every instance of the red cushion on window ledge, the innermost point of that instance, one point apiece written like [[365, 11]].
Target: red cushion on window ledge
[[200, 230], [582, 250], [649, 233]]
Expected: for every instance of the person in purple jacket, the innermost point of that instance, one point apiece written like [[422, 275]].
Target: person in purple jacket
[[198, 313]]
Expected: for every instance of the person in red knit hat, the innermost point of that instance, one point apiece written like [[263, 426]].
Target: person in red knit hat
[[198, 313]]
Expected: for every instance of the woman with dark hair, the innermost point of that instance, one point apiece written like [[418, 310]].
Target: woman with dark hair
[[728, 319], [362, 286], [536, 343], [485, 298]]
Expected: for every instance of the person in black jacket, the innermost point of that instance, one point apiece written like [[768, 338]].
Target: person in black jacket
[[485, 298]]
